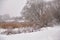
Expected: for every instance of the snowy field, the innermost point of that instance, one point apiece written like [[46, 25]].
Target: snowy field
[[49, 33]]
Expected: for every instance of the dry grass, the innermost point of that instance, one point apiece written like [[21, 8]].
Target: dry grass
[[15, 24]]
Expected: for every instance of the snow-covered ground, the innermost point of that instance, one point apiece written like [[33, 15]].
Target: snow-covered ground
[[49, 33]]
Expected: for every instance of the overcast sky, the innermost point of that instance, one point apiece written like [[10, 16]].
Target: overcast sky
[[12, 7]]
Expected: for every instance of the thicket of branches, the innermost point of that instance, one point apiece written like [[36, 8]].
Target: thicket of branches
[[41, 12]]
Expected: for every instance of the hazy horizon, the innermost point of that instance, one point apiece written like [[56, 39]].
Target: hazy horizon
[[11, 7]]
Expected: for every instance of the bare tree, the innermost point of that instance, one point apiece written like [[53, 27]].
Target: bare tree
[[41, 12]]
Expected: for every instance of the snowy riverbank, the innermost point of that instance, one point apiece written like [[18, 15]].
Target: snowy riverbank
[[50, 33]]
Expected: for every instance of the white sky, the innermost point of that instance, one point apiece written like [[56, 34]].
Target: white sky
[[12, 7]]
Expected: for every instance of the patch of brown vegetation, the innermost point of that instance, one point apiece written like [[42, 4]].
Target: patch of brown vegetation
[[15, 24]]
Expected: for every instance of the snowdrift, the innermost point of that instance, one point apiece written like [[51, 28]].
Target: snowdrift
[[49, 33]]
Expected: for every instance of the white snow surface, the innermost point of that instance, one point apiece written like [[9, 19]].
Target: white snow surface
[[49, 33]]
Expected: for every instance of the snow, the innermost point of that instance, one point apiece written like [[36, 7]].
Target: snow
[[20, 21], [49, 33], [2, 30], [9, 20], [47, 0]]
